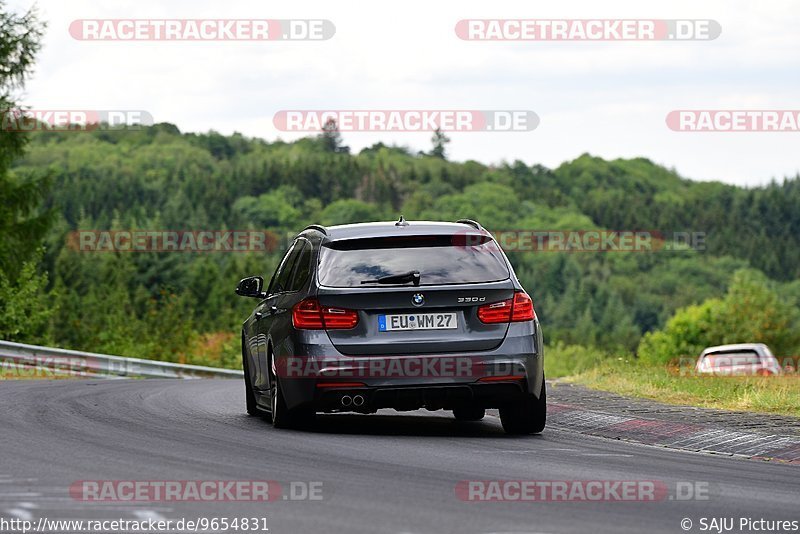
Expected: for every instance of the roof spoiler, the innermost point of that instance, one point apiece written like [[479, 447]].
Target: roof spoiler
[[474, 224], [317, 227]]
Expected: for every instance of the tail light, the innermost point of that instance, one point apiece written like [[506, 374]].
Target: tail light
[[309, 314], [517, 309], [498, 312], [523, 308], [339, 318]]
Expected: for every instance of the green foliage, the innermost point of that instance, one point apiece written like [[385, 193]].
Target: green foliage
[[111, 318], [638, 194], [20, 40], [181, 307], [752, 311], [566, 360], [495, 206], [331, 139], [439, 141], [765, 394], [349, 211], [160, 178], [25, 307], [22, 224], [276, 209]]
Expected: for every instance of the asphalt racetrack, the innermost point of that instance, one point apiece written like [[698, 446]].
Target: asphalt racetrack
[[389, 472]]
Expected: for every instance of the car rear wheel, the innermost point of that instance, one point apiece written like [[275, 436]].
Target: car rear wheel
[[469, 414], [282, 416], [249, 397], [277, 404], [528, 416]]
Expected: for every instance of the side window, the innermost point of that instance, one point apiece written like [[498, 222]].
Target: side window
[[302, 269], [280, 280]]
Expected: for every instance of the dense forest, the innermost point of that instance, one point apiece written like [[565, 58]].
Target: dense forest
[[181, 306]]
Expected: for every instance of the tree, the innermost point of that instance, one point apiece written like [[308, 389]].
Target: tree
[[21, 227], [331, 138], [439, 141], [25, 309], [751, 312], [24, 312], [160, 178], [349, 211]]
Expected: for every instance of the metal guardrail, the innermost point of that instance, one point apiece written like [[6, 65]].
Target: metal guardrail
[[90, 364]]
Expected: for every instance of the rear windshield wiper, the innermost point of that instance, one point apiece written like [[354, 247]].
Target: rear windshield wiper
[[410, 276]]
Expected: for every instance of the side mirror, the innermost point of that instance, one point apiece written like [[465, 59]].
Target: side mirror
[[251, 287]]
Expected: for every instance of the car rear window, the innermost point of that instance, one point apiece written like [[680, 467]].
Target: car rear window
[[439, 259], [730, 359]]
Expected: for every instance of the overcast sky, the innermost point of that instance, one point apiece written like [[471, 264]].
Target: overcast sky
[[606, 98]]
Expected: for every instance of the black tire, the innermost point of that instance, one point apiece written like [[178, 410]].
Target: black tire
[[277, 405], [469, 414], [281, 416], [249, 397], [527, 416]]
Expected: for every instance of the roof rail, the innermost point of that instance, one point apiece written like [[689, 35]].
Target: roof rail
[[317, 227], [474, 224]]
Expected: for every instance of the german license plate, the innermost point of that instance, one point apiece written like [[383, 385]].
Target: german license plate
[[417, 321]]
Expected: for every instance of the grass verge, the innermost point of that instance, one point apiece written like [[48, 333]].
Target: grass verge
[[768, 394], [31, 373]]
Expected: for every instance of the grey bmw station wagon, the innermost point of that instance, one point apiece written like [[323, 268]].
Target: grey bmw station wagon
[[403, 315]]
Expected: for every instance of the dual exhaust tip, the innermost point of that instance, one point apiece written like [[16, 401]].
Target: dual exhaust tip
[[355, 400]]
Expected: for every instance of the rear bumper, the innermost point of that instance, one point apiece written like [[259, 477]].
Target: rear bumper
[[405, 398], [438, 381]]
